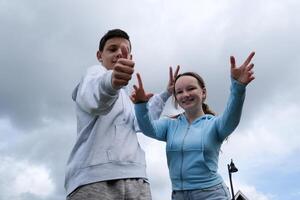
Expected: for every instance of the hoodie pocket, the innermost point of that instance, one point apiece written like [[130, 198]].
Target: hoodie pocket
[[97, 156], [125, 146], [195, 166]]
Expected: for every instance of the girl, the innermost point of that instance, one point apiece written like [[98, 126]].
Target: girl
[[194, 137]]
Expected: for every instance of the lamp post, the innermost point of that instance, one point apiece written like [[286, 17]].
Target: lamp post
[[231, 169]]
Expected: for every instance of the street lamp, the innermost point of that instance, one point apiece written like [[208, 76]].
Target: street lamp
[[231, 169]]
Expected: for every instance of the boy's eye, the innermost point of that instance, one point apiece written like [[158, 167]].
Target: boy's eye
[[113, 49], [178, 92]]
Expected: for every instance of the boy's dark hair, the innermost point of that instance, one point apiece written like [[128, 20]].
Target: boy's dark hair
[[114, 33]]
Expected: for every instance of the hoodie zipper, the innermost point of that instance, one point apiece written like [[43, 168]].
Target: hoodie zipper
[[182, 156]]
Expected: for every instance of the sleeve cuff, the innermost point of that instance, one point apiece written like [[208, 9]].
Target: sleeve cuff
[[108, 84], [237, 86], [141, 107], [164, 95]]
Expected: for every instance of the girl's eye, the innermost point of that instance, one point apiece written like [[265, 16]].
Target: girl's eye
[[191, 88], [178, 92]]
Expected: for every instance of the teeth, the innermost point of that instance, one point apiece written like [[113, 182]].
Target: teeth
[[188, 100]]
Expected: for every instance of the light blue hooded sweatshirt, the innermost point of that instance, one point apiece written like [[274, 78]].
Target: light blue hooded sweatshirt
[[106, 147], [193, 148]]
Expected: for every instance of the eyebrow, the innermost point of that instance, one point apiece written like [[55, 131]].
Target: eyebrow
[[112, 45], [190, 85]]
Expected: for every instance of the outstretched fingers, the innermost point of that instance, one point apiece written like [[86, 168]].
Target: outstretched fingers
[[251, 77], [135, 89], [171, 78], [250, 67], [177, 71], [232, 62], [139, 94], [248, 60], [250, 72], [139, 79]]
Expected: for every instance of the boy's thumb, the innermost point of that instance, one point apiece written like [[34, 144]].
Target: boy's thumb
[[124, 52]]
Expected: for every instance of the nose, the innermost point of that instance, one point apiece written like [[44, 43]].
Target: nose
[[185, 93], [119, 53]]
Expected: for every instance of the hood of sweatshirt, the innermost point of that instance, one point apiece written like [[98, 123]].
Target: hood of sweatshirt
[[74, 93]]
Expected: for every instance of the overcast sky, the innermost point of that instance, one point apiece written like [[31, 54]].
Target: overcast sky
[[46, 46]]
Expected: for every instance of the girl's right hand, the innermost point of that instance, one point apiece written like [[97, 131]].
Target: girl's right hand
[[139, 95]]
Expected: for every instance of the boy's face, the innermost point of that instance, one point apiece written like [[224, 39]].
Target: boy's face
[[112, 52]]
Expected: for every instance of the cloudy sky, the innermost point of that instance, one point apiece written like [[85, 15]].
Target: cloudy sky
[[46, 47]]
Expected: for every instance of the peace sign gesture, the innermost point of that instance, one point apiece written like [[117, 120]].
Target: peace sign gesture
[[244, 73], [172, 77], [139, 95]]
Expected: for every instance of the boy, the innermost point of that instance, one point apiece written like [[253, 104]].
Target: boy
[[107, 161]]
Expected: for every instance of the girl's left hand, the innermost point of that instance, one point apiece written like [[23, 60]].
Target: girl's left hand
[[172, 77], [244, 74]]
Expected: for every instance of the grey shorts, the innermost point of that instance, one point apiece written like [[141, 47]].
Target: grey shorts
[[125, 189], [218, 192]]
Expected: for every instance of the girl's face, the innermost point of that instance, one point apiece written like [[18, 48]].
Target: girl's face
[[189, 94]]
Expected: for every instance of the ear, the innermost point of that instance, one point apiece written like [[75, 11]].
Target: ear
[[204, 93], [99, 56]]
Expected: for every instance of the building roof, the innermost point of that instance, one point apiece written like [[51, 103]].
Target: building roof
[[240, 196]]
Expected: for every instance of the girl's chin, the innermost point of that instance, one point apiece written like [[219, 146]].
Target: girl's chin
[[187, 106]]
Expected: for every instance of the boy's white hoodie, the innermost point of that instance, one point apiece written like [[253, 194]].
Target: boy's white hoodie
[[106, 147]]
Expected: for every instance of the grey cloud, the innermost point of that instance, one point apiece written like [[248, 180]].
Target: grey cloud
[[46, 47], [41, 53], [48, 147]]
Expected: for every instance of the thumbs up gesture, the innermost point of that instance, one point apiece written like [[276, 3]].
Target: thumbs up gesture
[[123, 69]]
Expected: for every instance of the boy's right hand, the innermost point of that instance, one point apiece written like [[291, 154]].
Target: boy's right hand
[[123, 70]]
